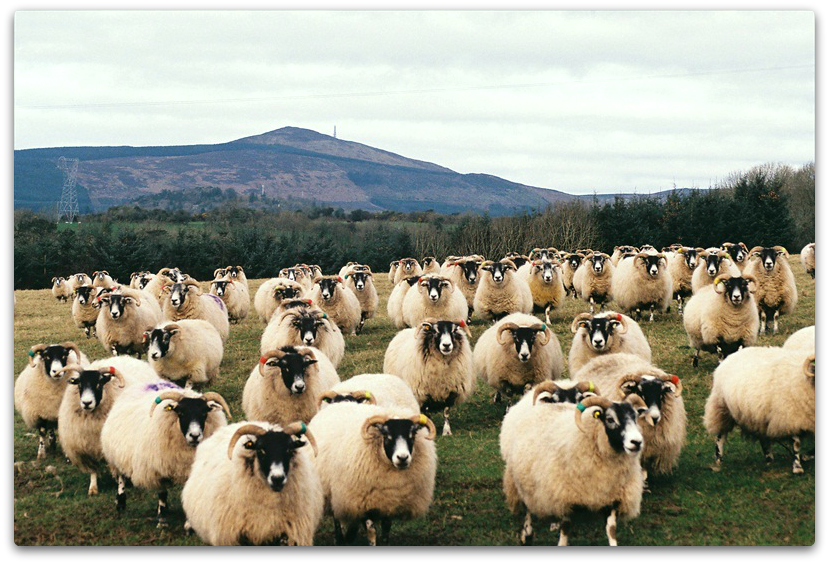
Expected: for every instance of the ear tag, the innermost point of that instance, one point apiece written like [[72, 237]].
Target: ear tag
[[590, 387], [303, 429], [543, 326], [618, 317], [674, 380], [462, 323], [263, 359], [325, 316], [112, 370], [368, 395], [580, 407], [596, 414], [31, 354], [346, 276], [423, 419], [158, 399]]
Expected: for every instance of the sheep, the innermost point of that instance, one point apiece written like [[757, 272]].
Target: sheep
[[271, 293], [151, 435], [560, 456], [85, 309], [802, 339], [394, 306], [807, 257], [621, 374], [235, 273], [620, 251], [140, 280], [516, 353], [738, 252], [39, 389], [430, 265], [643, 282], [433, 296], [235, 296], [435, 360], [715, 263], [593, 280], [385, 390], [572, 261], [681, 266], [188, 349], [187, 301], [124, 316], [776, 289], [102, 279], [464, 272], [341, 305], [541, 254], [517, 259], [769, 392], [544, 277], [407, 268], [79, 279], [375, 465], [305, 327], [722, 318], [500, 292], [61, 289], [286, 384], [563, 391], [603, 334], [361, 283], [86, 402], [298, 275], [393, 269], [165, 277], [252, 483]]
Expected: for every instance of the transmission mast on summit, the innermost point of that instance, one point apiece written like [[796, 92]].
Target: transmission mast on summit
[[68, 206]]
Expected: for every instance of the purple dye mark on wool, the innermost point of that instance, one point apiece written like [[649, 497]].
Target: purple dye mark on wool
[[218, 300], [158, 386]]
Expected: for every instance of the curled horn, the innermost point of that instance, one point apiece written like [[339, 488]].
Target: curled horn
[[249, 429], [364, 395], [587, 403], [168, 395], [781, 249], [326, 397], [623, 324], [549, 386], [370, 422], [505, 327], [71, 368], [115, 373], [509, 263], [72, 347], [636, 378], [673, 379], [170, 327], [299, 428], [214, 396], [809, 366], [194, 283], [637, 402], [718, 279], [588, 387], [465, 326], [425, 422], [276, 353], [751, 280], [33, 352], [216, 272], [756, 249], [131, 294], [542, 329], [577, 321]]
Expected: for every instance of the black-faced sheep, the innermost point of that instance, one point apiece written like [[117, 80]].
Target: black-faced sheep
[[361, 282], [545, 279], [738, 253], [501, 292], [605, 333], [464, 272], [593, 280], [187, 301], [190, 350], [776, 289], [85, 309], [305, 326], [571, 263], [333, 297], [235, 296], [61, 290], [124, 316], [714, 263], [271, 293], [433, 296], [682, 265], [407, 268], [643, 282]]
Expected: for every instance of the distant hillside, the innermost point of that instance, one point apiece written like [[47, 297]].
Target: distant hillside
[[286, 165]]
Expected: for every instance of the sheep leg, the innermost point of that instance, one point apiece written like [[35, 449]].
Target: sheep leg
[[86, 332], [645, 487], [765, 446], [497, 397], [121, 497], [41, 443], [188, 528], [51, 440], [696, 358], [362, 322], [447, 430], [679, 304], [797, 466], [526, 537], [371, 532], [564, 532], [776, 315], [93, 484], [720, 353], [762, 322], [651, 318], [385, 529], [610, 526], [591, 304], [718, 452], [162, 509]]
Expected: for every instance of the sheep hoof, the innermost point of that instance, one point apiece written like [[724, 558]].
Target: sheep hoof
[[447, 431], [162, 523], [696, 362], [93, 490], [797, 470], [716, 467], [188, 530]]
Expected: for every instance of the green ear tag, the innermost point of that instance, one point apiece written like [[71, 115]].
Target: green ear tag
[[580, 407], [325, 316], [158, 399], [31, 354], [304, 429], [543, 326]]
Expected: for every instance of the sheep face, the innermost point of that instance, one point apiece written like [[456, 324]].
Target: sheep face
[[80, 278], [191, 414], [523, 338], [690, 255], [295, 274], [768, 256], [308, 324], [737, 251], [427, 261], [221, 286], [652, 390], [292, 365], [713, 263], [58, 281], [329, 287], [179, 292], [117, 304], [574, 260], [444, 337], [652, 264], [550, 392], [735, 289], [434, 286], [285, 292], [360, 279], [271, 454], [546, 270], [398, 440], [600, 331], [144, 278], [160, 342], [499, 270], [100, 276], [470, 270], [91, 384], [53, 359], [621, 427], [408, 264], [84, 294], [234, 272], [597, 262]]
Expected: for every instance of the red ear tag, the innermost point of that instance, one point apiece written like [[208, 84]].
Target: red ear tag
[[263, 359], [462, 323], [112, 370], [674, 380], [618, 317], [339, 279]]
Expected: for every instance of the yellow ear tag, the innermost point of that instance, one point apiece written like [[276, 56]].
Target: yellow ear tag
[[590, 388], [368, 395], [168, 408], [423, 419], [596, 414]]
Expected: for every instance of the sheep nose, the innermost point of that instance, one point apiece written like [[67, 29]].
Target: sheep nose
[[635, 444], [87, 405], [401, 460], [299, 387], [193, 438], [276, 482], [547, 278], [523, 357], [472, 279], [155, 356], [597, 343]]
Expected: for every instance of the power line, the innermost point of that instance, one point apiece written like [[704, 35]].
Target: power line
[[413, 91]]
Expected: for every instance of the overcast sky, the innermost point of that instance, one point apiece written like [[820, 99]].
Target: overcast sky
[[576, 101]]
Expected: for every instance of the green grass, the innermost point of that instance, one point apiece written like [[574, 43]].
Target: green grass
[[748, 503]]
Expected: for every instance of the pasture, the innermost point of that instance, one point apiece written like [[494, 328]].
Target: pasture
[[748, 503]]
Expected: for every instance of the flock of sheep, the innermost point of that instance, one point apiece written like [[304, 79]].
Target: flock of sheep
[[362, 449]]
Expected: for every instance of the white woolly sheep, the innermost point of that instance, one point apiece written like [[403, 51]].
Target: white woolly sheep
[[286, 384], [187, 301], [124, 316], [571, 263], [393, 269], [605, 333], [252, 483], [271, 293], [620, 251], [234, 295], [560, 456], [234, 273], [341, 305], [433, 296], [738, 253], [802, 339], [593, 280], [85, 309], [776, 288], [723, 317], [501, 292], [86, 403], [435, 360], [545, 279], [430, 265], [407, 268], [79, 279], [375, 465], [516, 353], [102, 279], [299, 275], [769, 392], [190, 350], [151, 435], [714, 263], [165, 277], [39, 389], [618, 375], [807, 258], [61, 290], [305, 326], [361, 282], [384, 390], [464, 272], [681, 265], [643, 282], [394, 306]]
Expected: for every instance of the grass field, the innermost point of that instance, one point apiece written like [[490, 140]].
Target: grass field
[[748, 503]]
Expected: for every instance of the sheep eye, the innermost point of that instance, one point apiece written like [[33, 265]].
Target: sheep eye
[[249, 445], [168, 408]]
